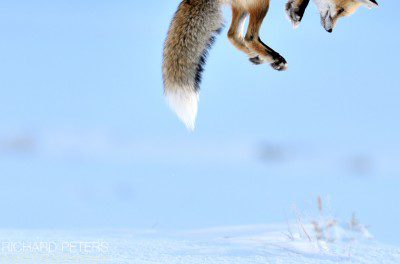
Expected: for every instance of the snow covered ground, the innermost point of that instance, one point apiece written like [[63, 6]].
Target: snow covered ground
[[88, 143], [284, 243]]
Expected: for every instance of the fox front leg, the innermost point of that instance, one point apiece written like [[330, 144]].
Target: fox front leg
[[295, 10]]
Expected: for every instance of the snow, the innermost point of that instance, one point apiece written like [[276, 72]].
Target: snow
[[238, 244]]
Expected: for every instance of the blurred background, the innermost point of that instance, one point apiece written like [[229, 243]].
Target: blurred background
[[88, 142]]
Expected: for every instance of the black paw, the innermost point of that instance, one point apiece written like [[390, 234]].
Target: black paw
[[294, 13], [256, 60], [280, 63]]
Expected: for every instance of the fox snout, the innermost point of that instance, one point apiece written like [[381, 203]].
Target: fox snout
[[328, 22]]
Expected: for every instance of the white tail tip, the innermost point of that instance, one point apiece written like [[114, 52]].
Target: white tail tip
[[184, 102]]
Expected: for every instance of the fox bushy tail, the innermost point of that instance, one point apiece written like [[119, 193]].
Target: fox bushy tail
[[191, 35]]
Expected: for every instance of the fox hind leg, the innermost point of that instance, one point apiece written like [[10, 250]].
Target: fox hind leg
[[235, 34], [254, 43]]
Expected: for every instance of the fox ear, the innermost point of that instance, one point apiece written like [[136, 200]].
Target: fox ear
[[368, 3]]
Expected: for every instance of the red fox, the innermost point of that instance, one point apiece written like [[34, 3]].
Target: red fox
[[195, 26]]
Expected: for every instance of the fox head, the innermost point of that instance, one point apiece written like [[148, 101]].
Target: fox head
[[332, 10]]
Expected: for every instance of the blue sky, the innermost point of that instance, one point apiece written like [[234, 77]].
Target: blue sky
[[87, 141]]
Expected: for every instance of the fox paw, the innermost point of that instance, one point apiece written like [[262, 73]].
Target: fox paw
[[280, 63], [256, 60], [294, 13]]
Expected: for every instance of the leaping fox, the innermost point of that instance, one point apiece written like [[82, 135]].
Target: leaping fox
[[197, 22]]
